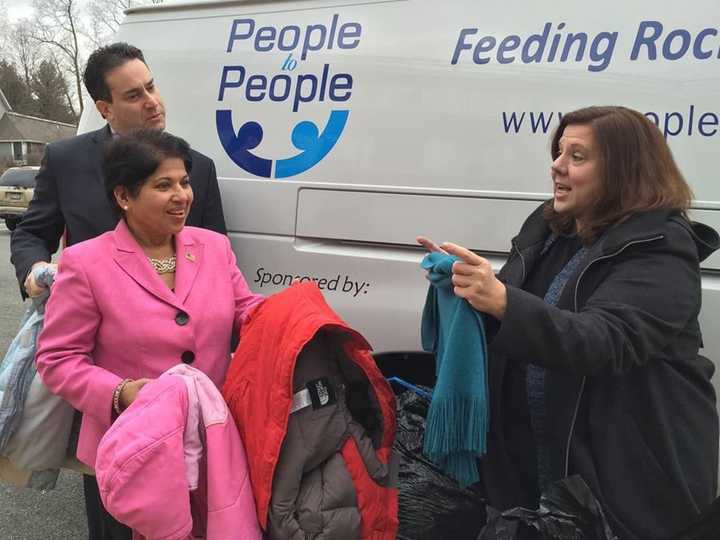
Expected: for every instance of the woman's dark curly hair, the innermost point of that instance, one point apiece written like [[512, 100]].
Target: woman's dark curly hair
[[131, 159]]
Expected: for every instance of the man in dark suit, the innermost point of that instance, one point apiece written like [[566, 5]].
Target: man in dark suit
[[70, 191], [70, 195]]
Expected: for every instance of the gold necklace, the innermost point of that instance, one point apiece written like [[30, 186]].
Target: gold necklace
[[163, 266]]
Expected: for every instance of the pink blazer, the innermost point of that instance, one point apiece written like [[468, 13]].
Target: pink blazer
[[144, 468], [111, 317]]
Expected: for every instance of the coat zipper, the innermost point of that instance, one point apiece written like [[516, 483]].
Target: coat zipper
[[522, 260], [582, 384]]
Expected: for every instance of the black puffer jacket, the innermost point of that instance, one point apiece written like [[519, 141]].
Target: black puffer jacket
[[630, 406]]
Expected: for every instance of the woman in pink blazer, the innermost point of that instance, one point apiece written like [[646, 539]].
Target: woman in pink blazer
[[133, 302]]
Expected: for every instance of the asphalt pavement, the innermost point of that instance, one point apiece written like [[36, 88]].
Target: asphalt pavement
[[26, 514]]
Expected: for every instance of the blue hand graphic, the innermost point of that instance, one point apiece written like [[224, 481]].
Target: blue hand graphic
[[238, 146], [314, 146]]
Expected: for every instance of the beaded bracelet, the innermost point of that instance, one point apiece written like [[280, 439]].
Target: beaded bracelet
[[116, 395]]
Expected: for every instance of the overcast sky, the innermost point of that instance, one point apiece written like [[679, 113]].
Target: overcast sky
[[18, 9]]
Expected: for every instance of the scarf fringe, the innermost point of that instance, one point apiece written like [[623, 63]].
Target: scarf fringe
[[455, 447]]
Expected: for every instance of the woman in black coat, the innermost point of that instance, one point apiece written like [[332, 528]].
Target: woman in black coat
[[594, 337]]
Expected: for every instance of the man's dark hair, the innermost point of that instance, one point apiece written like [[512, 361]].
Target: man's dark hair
[[131, 159], [102, 61]]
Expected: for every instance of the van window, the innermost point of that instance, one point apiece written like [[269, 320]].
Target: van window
[[19, 178]]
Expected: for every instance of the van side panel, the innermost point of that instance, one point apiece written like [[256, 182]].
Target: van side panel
[[340, 131]]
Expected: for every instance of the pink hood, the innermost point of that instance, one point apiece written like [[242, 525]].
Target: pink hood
[[147, 458]]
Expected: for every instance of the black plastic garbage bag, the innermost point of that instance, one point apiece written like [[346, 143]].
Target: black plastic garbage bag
[[568, 511], [431, 505], [706, 527]]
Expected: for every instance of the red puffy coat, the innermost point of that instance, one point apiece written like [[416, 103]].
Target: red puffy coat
[[319, 468]]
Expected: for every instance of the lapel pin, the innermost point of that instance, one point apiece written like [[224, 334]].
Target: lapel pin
[[189, 256]]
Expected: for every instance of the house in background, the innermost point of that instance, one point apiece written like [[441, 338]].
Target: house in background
[[23, 138]]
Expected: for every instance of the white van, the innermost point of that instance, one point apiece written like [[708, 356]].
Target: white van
[[341, 130]]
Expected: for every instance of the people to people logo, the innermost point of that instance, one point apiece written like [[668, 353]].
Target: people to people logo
[[287, 86]]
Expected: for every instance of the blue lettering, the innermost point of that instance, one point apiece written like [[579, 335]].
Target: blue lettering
[[265, 34], [333, 29], [308, 45], [274, 96], [351, 32], [512, 124], [684, 36], [295, 39], [670, 124], [311, 38], [642, 38], [555, 43], [675, 45], [485, 44], [508, 44], [539, 40], [604, 54], [690, 122], [539, 47], [225, 81], [539, 121], [234, 36], [306, 97], [581, 39], [306, 87], [289, 64], [323, 82], [698, 51], [713, 121], [255, 89], [339, 83], [672, 116], [461, 45]]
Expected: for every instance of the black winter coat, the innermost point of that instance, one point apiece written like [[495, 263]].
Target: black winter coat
[[630, 406]]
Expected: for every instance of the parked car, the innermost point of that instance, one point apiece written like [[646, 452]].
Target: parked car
[[16, 191]]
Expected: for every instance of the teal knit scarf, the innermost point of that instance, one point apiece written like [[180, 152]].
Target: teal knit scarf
[[458, 419]]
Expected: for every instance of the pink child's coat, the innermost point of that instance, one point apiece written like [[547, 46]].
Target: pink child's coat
[[142, 464]]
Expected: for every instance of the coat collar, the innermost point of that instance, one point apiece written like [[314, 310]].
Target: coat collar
[[102, 135], [639, 226], [534, 230], [131, 258]]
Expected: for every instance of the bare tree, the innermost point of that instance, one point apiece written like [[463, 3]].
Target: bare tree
[[58, 25], [66, 88], [25, 50], [105, 17], [4, 30]]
